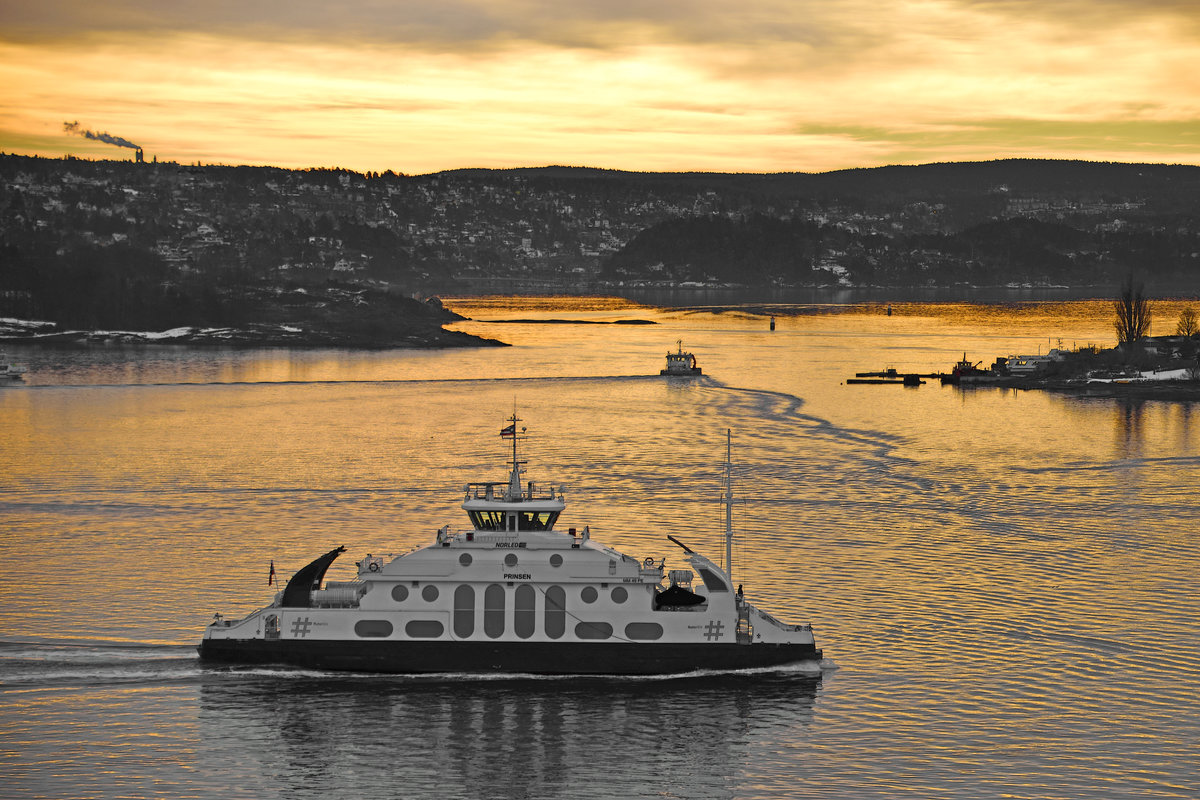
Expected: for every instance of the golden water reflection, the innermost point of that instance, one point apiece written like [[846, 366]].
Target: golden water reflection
[[695, 737]]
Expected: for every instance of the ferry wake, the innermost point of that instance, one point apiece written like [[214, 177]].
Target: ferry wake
[[513, 594]]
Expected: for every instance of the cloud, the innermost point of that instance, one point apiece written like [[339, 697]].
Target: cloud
[[672, 84], [586, 23]]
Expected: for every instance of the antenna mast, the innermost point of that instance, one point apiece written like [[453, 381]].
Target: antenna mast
[[511, 432], [728, 501]]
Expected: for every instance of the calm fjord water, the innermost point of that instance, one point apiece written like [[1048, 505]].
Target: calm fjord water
[[1003, 582]]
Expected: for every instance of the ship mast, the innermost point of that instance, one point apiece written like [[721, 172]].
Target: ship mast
[[727, 500], [514, 480]]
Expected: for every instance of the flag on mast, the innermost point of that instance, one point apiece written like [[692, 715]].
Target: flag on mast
[[271, 577], [510, 432]]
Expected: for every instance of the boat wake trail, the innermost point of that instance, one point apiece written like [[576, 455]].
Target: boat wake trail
[[415, 382], [776, 423], [50, 665]]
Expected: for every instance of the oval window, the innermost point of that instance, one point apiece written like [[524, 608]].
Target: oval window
[[556, 612], [620, 595], [465, 559], [430, 593], [424, 629], [464, 611], [373, 628], [524, 611], [643, 631], [589, 594], [593, 630], [399, 593]]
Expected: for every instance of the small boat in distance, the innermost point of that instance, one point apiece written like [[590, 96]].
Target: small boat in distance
[[969, 372], [511, 594], [681, 363], [10, 371]]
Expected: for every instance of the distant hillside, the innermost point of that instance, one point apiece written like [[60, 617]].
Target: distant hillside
[[120, 244]]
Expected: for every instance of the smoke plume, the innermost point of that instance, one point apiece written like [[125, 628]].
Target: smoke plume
[[73, 127]]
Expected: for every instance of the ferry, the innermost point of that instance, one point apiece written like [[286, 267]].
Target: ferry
[[681, 363], [511, 593]]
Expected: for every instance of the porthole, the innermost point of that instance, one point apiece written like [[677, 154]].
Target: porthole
[[430, 593], [556, 560], [465, 559], [620, 595], [510, 560], [589, 594], [400, 593]]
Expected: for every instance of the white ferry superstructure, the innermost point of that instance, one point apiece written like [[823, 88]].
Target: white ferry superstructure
[[512, 594]]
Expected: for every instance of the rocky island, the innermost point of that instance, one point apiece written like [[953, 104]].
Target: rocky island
[[332, 316]]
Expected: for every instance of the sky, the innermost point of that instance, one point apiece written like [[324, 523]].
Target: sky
[[648, 85]]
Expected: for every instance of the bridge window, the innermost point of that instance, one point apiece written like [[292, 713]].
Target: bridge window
[[487, 520], [503, 521], [537, 520]]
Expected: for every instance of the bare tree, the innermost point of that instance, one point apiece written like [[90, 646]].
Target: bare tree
[[1188, 328], [1187, 325], [1133, 313]]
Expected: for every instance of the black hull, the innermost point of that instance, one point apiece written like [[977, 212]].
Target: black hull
[[540, 658]]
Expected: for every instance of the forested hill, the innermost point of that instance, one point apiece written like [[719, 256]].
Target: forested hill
[[120, 244]]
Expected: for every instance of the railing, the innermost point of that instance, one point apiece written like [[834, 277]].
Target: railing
[[489, 491]]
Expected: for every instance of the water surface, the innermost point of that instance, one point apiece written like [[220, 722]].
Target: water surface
[[1003, 582]]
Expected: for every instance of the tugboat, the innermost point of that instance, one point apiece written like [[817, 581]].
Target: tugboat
[[512, 594], [681, 363], [970, 372]]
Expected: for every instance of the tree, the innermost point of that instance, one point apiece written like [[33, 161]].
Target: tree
[[1133, 312], [1187, 325]]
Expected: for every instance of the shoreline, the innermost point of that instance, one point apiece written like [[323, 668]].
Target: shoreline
[[250, 337], [1175, 389]]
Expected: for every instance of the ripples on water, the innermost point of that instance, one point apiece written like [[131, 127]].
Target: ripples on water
[[1003, 582]]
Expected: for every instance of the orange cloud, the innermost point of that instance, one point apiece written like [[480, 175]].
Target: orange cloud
[[767, 85]]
